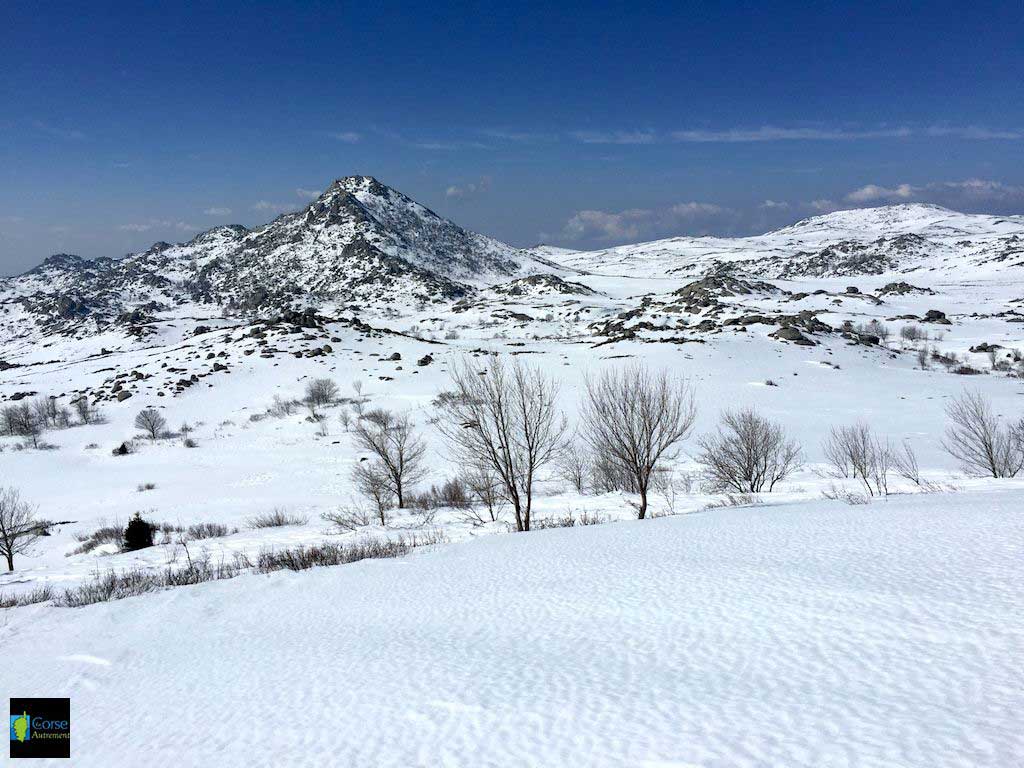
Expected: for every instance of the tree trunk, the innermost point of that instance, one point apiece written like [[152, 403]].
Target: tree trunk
[[10, 562], [643, 504]]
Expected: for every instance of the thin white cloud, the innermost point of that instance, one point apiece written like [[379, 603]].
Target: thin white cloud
[[520, 137], [949, 193], [774, 205], [217, 211], [266, 205], [775, 133], [463, 191], [347, 137], [822, 205], [634, 223], [159, 224], [308, 194], [57, 131], [615, 137], [974, 132]]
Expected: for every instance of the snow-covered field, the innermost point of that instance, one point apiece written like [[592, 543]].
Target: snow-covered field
[[795, 632], [796, 635]]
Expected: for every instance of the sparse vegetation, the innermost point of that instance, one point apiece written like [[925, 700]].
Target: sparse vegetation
[[276, 518], [855, 452], [979, 441], [748, 454]]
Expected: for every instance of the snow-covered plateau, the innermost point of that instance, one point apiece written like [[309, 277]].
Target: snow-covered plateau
[[791, 630]]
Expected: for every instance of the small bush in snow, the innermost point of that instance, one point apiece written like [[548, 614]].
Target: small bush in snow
[[320, 392], [977, 438], [277, 518], [208, 531], [748, 454]]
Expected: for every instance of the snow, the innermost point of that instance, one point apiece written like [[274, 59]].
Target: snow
[[799, 634]]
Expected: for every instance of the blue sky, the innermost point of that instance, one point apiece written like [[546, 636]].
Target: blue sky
[[580, 125]]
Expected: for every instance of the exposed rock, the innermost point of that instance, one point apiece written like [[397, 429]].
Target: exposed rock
[[789, 333], [901, 288], [934, 316]]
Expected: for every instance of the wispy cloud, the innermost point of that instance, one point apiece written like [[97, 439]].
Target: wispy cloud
[[774, 205], [463, 191], [308, 194], [347, 137], [775, 133], [951, 193], [435, 145], [159, 224], [266, 205], [217, 211], [519, 137], [634, 223], [57, 131], [975, 132], [615, 137]]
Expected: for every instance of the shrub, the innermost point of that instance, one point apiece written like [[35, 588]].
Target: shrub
[[138, 534], [320, 392], [110, 534], [275, 519], [207, 531], [349, 518], [748, 453], [856, 452], [979, 441], [41, 594]]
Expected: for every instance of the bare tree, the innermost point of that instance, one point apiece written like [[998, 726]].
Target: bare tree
[[345, 417], [18, 525], [574, 467], [397, 448], [923, 356], [320, 392], [47, 410], [151, 422], [503, 417], [23, 421], [976, 438], [748, 453], [633, 419], [485, 487], [607, 476], [905, 463], [373, 482], [856, 452]]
